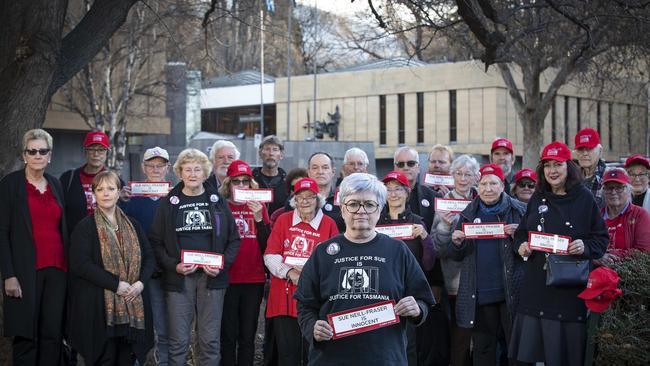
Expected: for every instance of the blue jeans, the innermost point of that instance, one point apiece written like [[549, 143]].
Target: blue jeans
[[159, 312]]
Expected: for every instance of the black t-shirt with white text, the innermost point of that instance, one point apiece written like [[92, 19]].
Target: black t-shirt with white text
[[194, 223]]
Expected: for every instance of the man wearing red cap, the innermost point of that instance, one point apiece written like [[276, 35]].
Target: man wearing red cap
[[628, 225], [503, 154], [588, 152], [638, 168], [79, 199]]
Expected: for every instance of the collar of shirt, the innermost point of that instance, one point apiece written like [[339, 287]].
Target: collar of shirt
[[314, 223]]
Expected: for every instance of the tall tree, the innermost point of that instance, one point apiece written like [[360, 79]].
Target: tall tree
[[37, 58], [558, 38]]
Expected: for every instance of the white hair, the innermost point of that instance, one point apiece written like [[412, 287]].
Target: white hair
[[465, 161], [355, 151], [411, 150], [220, 144], [362, 182]]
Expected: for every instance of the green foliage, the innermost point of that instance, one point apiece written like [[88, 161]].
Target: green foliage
[[624, 334]]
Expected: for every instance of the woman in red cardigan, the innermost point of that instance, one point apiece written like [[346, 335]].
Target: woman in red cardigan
[[33, 255]]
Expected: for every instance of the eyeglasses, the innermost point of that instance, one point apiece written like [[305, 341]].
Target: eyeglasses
[[355, 206], [239, 182], [96, 151], [155, 166], [359, 164], [638, 176], [410, 163], [305, 199], [614, 189], [463, 175], [41, 152], [530, 185]]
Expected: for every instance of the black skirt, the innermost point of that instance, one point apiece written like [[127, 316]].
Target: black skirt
[[554, 342]]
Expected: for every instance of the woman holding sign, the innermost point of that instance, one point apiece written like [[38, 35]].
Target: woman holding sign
[[490, 270], [244, 294], [293, 238], [196, 241], [358, 290], [549, 324], [110, 265]]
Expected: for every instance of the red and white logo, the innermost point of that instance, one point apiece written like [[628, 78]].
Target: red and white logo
[[553, 152], [584, 139]]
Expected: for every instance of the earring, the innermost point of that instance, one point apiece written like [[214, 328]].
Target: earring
[[49, 161], [25, 161]]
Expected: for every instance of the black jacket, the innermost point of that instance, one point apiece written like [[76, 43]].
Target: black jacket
[[406, 217], [422, 203], [74, 196], [575, 215], [280, 192], [17, 254], [511, 213], [333, 210], [88, 280], [225, 238]]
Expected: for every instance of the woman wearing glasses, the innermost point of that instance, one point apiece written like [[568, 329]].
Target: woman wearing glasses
[[396, 213], [33, 255], [524, 186], [293, 239], [244, 294], [638, 168], [464, 169], [361, 268], [194, 217]]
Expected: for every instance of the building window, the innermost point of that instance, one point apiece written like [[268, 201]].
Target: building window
[[453, 127], [382, 120], [553, 121], [609, 126], [401, 129], [599, 118], [420, 106], [566, 120]]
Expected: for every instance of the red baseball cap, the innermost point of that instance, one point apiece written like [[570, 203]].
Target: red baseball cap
[[616, 175], [556, 151], [502, 142], [306, 183], [526, 173], [239, 167], [637, 159], [96, 137], [399, 177], [587, 137], [602, 289], [493, 169]]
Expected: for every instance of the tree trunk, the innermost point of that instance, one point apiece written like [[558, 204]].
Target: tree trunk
[[533, 140]]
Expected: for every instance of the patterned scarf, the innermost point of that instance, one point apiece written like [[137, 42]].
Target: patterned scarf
[[121, 256]]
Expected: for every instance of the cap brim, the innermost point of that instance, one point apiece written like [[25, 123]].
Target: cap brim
[[588, 146], [560, 159], [615, 180], [589, 294]]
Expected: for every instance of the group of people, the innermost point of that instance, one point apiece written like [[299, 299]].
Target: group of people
[[91, 264]]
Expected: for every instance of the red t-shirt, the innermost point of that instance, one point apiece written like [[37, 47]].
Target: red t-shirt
[[87, 186], [291, 240], [248, 266], [45, 214], [616, 229]]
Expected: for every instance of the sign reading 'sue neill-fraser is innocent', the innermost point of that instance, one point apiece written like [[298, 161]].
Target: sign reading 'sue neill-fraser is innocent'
[[363, 319]]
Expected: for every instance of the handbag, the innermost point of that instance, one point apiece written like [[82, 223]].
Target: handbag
[[563, 270]]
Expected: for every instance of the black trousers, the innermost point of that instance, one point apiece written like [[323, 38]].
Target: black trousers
[[292, 348], [117, 352], [460, 338], [490, 321], [241, 308], [45, 349]]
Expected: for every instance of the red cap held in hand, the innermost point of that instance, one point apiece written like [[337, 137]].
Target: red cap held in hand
[[602, 289]]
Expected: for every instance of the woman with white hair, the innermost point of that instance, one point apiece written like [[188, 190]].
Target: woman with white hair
[[293, 238], [356, 269], [194, 217], [628, 225], [464, 169]]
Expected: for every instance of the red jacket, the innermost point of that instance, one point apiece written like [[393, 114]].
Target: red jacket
[[637, 229], [248, 266], [290, 238]]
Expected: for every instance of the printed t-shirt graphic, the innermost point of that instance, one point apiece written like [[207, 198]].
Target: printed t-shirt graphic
[[194, 223]]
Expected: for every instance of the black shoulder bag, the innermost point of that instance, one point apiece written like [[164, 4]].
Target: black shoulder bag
[[563, 270]]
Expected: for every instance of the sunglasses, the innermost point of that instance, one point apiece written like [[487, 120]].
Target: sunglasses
[[238, 182], [530, 185], [410, 163], [33, 152]]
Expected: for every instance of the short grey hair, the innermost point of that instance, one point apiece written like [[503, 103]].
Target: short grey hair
[[271, 140], [220, 144], [361, 182], [355, 151], [321, 201], [37, 134], [465, 161], [409, 149]]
